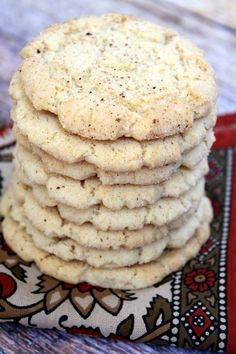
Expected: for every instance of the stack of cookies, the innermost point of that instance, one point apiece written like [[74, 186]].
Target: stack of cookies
[[114, 120]]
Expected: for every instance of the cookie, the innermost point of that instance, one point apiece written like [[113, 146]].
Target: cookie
[[37, 171], [144, 80], [91, 192], [202, 150], [19, 185], [160, 213], [67, 249], [19, 190], [144, 176], [29, 166], [134, 277], [83, 170], [180, 236], [123, 155], [85, 235], [88, 236], [164, 211]]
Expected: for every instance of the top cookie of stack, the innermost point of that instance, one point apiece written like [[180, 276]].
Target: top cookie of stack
[[116, 101], [111, 77]]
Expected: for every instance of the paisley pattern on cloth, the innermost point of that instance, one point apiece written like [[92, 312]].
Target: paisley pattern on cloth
[[193, 307]]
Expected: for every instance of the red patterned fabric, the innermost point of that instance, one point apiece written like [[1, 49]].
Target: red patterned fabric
[[231, 264]]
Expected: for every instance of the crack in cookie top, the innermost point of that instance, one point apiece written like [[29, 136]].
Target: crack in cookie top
[[115, 76]]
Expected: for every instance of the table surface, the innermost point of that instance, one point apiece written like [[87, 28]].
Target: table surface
[[211, 24]]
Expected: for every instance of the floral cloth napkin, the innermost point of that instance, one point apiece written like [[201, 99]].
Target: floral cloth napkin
[[194, 307]]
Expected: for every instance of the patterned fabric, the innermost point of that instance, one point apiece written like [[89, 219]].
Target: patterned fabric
[[193, 307]]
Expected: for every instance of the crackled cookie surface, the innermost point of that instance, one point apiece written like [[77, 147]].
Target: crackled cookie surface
[[142, 80]]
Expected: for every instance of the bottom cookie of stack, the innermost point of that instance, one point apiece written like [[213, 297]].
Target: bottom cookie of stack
[[136, 276]]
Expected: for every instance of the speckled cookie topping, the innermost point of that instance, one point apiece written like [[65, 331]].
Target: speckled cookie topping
[[115, 76]]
